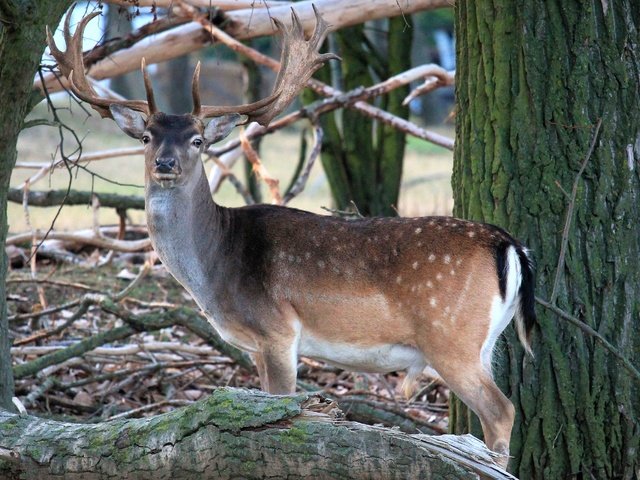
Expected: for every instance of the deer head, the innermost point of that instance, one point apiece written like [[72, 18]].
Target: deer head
[[173, 143]]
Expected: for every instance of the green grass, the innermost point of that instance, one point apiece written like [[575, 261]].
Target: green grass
[[426, 181]]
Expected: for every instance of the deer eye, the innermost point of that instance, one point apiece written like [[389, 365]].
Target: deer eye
[[197, 142], [145, 139]]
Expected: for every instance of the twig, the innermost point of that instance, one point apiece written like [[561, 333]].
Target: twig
[[132, 349], [569, 217], [32, 257], [47, 311], [152, 406], [237, 184], [43, 388], [301, 181], [590, 331], [260, 170], [57, 283], [41, 335]]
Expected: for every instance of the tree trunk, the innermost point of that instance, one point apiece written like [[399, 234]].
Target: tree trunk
[[361, 167], [234, 434], [22, 41], [119, 25], [533, 80]]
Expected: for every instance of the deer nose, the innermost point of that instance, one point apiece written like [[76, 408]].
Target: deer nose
[[165, 164]]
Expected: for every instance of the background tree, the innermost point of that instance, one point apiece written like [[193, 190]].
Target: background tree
[[363, 159], [533, 80], [119, 24], [22, 41]]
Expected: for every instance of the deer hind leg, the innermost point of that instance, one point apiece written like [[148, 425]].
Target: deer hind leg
[[477, 389]]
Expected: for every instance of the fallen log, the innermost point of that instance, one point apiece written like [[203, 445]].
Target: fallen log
[[235, 434]]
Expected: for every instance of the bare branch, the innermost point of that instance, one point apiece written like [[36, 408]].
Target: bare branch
[[260, 170], [86, 238], [626, 363], [245, 24], [301, 181]]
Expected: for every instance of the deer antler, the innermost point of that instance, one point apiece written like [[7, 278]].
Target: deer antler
[[299, 60], [71, 65]]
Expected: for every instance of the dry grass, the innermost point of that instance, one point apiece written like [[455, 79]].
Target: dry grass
[[426, 185]]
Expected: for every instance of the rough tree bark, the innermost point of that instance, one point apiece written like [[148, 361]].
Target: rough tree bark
[[533, 79], [234, 434], [22, 40]]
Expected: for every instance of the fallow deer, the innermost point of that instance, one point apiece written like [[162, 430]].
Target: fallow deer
[[370, 295]]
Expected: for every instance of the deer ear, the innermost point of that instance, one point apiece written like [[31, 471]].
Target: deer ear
[[219, 127], [130, 122]]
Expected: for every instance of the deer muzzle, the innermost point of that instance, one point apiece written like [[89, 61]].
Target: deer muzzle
[[165, 165]]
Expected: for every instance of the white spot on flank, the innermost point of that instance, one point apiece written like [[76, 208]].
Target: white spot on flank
[[321, 263], [447, 259], [429, 284], [419, 244], [399, 279], [433, 302], [452, 272], [415, 265], [439, 277], [432, 257], [418, 230], [458, 262], [471, 233], [307, 255]]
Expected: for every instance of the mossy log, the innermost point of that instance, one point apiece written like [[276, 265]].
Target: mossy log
[[235, 434], [53, 198]]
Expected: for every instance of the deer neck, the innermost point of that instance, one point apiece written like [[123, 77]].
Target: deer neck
[[186, 228]]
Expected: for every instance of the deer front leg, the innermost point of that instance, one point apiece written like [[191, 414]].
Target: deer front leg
[[258, 360], [279, 363]]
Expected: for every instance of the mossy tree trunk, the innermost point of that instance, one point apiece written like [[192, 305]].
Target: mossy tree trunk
[[22, 42], [363, 159], [234, 434], [533, 79]]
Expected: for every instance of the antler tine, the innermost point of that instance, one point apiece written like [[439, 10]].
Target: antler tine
[[299, 60], [148, 88], [320, 32], [195, 91], [71, 65]]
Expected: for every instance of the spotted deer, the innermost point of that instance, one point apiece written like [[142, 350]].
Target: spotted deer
[[370, 295]]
